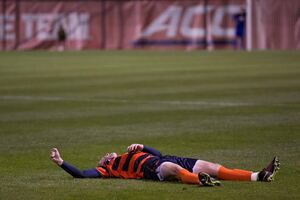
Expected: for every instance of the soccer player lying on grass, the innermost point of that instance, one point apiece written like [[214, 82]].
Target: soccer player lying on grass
[[143, 162]]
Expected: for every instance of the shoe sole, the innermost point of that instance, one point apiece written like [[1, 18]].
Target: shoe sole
[[276, 165]]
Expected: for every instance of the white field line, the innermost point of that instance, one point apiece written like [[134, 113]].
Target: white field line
[[173, 103]]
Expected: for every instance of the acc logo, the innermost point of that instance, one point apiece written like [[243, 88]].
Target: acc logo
[[169, 22]]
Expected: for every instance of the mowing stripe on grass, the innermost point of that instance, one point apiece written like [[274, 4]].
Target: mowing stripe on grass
[[176, 103]]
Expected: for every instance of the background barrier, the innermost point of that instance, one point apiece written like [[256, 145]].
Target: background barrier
[[146, 24], [276, 24]]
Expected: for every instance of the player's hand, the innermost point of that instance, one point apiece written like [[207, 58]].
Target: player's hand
[[55, 156], [135, 148]]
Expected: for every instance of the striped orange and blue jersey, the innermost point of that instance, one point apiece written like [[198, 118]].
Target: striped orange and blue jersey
[[127, 166]]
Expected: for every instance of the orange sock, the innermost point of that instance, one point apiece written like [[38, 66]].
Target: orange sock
[[234, 174], [187, 177]]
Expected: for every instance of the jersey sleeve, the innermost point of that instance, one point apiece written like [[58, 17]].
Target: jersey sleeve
[[103, 172], [152, 151], [76, 173]]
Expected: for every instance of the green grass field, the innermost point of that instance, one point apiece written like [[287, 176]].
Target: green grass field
[[235, 108]]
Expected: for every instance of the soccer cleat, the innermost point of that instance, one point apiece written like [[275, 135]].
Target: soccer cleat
[[206, 180], [268, 173]]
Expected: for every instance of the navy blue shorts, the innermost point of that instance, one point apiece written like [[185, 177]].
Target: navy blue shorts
[[153, 163]]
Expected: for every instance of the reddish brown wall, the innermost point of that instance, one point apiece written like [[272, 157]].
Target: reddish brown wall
[[145, 24]]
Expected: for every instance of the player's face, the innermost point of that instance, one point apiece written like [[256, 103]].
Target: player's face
[[107, 157]]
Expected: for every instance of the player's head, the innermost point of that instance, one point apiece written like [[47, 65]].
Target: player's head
[[105, 159]]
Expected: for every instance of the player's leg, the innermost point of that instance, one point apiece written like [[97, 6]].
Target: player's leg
[[171, 171], [221, 172]]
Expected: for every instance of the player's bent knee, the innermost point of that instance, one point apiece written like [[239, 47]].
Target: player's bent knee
[[168, 170], [207, 167]]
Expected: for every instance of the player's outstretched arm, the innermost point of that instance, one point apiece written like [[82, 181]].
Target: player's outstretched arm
[[140, 147], [73, 171]]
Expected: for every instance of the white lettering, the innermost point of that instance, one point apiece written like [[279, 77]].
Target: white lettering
[[7, 31], [186, 29], [45, 26], [217, 29], [167, 21], [78, 26], [28, 23]]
